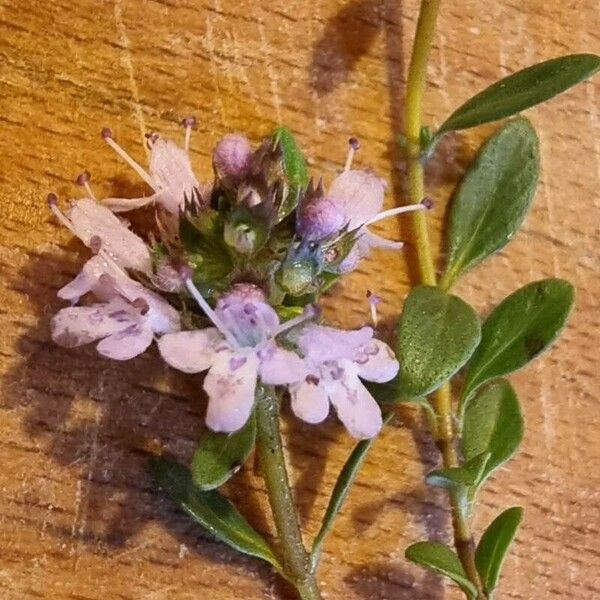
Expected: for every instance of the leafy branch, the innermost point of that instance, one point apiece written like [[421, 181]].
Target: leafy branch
[[439, 335]]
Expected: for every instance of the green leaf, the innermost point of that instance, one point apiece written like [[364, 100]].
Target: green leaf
[[522, 90], [494, 544], [493, 198], [220, 455], [294, 165], [441, 559], [211, 510], [493, 424], [518, 330], [468, 475], [437, 334], [340, 491]]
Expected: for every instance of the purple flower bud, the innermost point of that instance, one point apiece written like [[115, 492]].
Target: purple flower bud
[[232, 157], [318, 218]]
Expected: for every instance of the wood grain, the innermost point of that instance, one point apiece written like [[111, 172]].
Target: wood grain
[[79, 517]]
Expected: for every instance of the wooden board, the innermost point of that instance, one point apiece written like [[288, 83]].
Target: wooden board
[[79, 517]]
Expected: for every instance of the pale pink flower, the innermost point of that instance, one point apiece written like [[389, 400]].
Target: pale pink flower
[[169, 175], [129, 314], [125, 322], [336, 361], [353, 203], [237, 352]]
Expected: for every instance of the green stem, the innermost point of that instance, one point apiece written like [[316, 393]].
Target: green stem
[[442, 401], [294, 558]]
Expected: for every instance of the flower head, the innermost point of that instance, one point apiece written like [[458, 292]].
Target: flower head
[[336, 361]]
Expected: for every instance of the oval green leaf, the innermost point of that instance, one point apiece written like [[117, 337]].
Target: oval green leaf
[[493, 198], [437, 334], [518, 330], [522, 90], [494, 544], [492, 424], [220, 455], [441, 559], [211, 510], [294, 165]]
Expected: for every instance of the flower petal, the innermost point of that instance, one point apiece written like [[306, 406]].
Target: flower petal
[[170, 168], [230, 385], [89, 280], [78, 325], [355, 406], [358, 195], [279, 366], [376, 362], [309, 401], [128, 343], [190, 351], [319, 343], [89, 219], [161, 315]]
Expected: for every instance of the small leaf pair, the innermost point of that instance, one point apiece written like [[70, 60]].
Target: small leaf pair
[[489, 556]]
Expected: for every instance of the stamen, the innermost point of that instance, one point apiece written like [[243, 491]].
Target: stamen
[[83, 179], [392, 212], [186, 272], [62, 218], [310, 311], [189, 123], [374, 302], [107, 135], [353, 146]]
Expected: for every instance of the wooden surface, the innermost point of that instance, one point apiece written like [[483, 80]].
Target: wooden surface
[[79, 518]]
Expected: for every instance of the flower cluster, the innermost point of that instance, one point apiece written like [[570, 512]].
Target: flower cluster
[[228, 281]]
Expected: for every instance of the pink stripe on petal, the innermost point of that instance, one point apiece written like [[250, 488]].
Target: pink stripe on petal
[[126, 344]]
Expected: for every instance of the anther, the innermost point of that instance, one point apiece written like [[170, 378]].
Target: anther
[[95, 244], [428, 203], [83, 179], [52, 200], [107, 133], [142, 305]]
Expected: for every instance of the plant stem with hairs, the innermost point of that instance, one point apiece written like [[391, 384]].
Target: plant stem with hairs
[[293, 555]]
